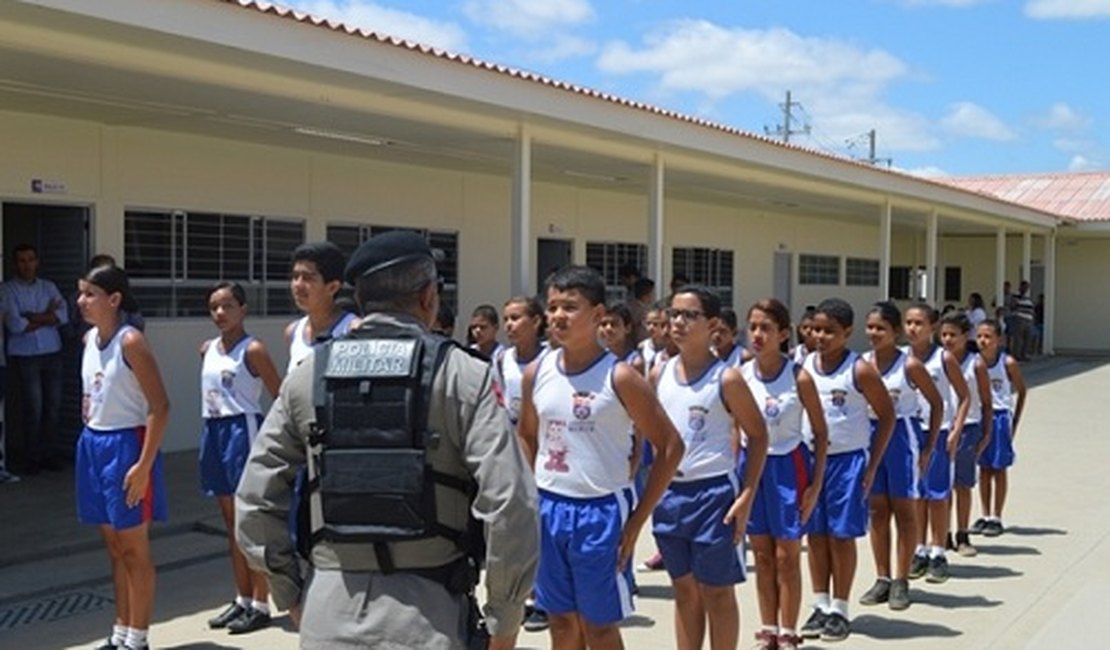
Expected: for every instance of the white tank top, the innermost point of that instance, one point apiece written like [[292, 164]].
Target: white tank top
[[112, 396], [511, 373], [967, 367], [844, 404], [778, 401], [651, 356], [735, 357], [227, 386], [799, 354], [299, 348], [934, 365], [585, 440], [699, 414], [1002, 398], [902, 391]]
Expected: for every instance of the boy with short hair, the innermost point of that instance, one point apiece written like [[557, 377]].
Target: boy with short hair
[[579, 404], [315, 279]]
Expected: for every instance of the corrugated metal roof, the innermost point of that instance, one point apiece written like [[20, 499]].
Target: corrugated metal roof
[[1081, 195]]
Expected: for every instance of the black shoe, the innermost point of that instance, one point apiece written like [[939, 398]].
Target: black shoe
[[899, 594], [536, 621], [878, 593], [919, 566], [250, 621], [107, 645], [978, 527], [938, 570], [233, 611], [951, 545], [814, 625], [993, 528], [836, 628]]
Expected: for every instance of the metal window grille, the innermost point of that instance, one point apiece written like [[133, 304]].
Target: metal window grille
[[859, 272], [608, 258], [709, 267], [174, 257], [818, 269]]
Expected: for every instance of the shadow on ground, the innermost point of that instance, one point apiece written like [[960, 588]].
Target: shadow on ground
[[891, 629], [950, 601], [981, 572]]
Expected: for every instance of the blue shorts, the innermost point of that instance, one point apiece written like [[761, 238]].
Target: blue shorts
[[842, 508], [898, 476], [777, 509], [579, 544], [103, 459], [936, 485], [970, 438], [224, 447], [999, 453], [691, 534]]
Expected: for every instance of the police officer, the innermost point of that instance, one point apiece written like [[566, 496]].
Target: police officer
[[363, 592]]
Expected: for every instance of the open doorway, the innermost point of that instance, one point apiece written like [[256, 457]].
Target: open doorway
[[60, 234], [551, 255]]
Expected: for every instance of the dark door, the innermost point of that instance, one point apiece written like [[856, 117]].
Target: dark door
[[551, 255], [60, 234]]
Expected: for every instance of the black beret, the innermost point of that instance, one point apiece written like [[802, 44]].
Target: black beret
[[385, 250]]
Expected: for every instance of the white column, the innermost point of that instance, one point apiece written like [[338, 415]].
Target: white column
[[999, 266], [1048, 335], [884, 251], [1026, 257], [655, 224], [932, 296], [520, 271]]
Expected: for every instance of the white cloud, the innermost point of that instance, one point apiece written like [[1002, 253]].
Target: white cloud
[[973, 121], [1067, 9], [928, 171], [377, 18], [529, 17], [1061, 117], [839, 83], [1081, 163]]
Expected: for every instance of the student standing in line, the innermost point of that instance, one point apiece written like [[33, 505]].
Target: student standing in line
[[616, 333], [806, 343], [977, 431], [315, 280], [936, 484], [1005, 380], [653, 349], [895, 490], [847, 386], [524, 329], [725, 342], [579, 404], [120, 486], [700, 522], [234, 368], [792, 477], [482, 331]]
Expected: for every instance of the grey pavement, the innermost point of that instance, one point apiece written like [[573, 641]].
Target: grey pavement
[[1044, 582]]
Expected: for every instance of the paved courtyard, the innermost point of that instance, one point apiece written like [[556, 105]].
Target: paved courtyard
[[1043, 583]]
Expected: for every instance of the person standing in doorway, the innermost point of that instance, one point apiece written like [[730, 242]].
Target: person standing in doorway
[[33, 311]]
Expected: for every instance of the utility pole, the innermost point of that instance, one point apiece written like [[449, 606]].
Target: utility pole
[[785, 129], [871, 158]]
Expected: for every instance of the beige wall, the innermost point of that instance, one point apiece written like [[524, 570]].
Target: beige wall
[[113, 168], [1082, 293]]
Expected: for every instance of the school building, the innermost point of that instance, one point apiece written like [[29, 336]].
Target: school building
[[196, 140]]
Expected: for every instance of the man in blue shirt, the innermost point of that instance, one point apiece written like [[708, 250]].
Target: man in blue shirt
[[33, 311]]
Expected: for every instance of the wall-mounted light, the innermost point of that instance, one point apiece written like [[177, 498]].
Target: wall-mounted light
[[341, 136]]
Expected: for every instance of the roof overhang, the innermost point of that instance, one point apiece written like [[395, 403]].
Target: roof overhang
[[216, 68]]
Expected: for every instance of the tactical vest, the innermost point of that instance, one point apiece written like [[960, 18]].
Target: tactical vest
[[370, 476]]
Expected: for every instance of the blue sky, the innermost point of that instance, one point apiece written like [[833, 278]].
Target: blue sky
[[951, 87]]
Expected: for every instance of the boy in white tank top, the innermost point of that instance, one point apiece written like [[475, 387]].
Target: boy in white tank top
[[315, 280], [701, 519], [847, 386], [578, 406]]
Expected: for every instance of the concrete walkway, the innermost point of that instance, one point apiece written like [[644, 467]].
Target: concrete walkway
[[1042, 583]]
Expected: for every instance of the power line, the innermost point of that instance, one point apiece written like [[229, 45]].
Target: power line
[[785, 130]]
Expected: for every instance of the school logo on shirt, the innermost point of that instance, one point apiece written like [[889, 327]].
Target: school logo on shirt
[[213, 402], [895, 394], [696, 418], [771, 408], [582, 401], [839, 398], [227, 379], [996, 385]]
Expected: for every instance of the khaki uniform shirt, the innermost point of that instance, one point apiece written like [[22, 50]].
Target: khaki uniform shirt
[[476, 440]]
